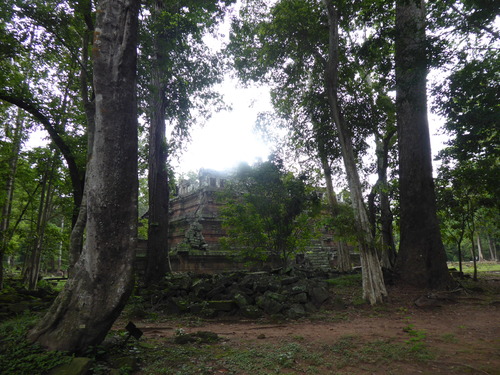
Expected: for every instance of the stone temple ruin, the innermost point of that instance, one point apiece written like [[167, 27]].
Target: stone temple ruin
[[195, 230]]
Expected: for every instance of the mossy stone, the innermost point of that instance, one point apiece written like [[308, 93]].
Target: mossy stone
[[77, 366]]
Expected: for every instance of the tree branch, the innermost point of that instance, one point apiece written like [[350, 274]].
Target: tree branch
[[76, 179]]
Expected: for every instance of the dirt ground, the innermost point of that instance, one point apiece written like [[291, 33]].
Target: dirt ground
[[460, 332]]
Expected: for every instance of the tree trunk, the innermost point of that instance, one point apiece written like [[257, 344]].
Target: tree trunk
[[492, 247], [388, 246], [76, 237], [459, 246], [97, 291], [343, 256], [9, 190], [78, 230], [479, 249], [33, 266], [157, 252], [60, 250], [474, 258], [373, 282], [421, 260]]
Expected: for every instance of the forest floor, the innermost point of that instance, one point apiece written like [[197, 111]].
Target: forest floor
[[411, 334]]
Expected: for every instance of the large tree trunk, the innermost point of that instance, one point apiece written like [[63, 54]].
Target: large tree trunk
[[157, 253], [78, 230], [421, 259], [102, 280], [373, 282]]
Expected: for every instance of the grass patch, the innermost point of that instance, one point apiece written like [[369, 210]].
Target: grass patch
[[346, 281], [271, 359], [349, 350], [468, 267], [208, 359], [18, 357], [178, 359]]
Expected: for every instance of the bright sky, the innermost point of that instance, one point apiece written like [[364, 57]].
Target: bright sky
[[228, 138]]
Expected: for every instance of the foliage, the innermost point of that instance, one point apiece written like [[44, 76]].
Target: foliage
[[468, 191], [343, 222], [18, 357], [470, 103], [284, 45], [173, 36], [268, 212]]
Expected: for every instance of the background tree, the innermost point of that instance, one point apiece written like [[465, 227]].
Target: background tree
[[268, 213], [290, 46], [94, 296], [33, 258], [51, 42], [178, 71], [10, 149]]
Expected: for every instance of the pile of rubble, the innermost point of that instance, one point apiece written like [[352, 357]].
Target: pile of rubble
[[291, 293]]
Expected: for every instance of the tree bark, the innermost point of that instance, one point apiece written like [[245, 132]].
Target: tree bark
[[97, 291], [78, 230], [373, 282], [421, 259], [388, 246], [32, 268], [474, 258], [492, 248], [9, 190], [343, 256], [479, 249], [157, 252]]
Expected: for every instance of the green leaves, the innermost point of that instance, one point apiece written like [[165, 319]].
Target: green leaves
[[268, 212]]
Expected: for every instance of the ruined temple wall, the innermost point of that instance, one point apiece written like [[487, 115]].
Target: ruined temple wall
[[195, 227], [196, 212]]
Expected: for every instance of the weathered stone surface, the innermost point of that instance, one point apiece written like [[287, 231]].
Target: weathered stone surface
[[241, 300], [300, 288], [216, 292], [269, 305], [290, 280], [275, 296], [319, 295], [124, 364], [300, 298], [221, 305], [296, 311], [202, 287], [196, 308], [248, 294], [251, 312], [77, 366]]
